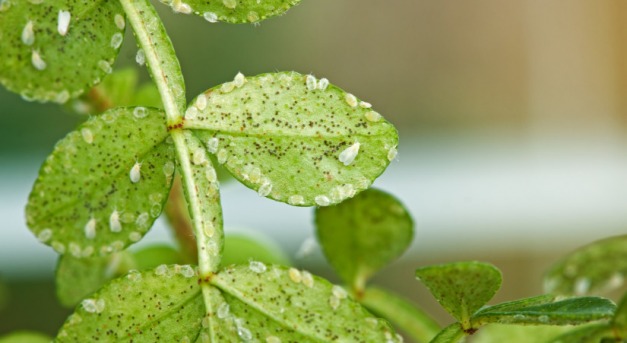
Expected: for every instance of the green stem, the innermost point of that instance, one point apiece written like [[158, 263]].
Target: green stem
[[412, 320], [162, 63], [451, 334]]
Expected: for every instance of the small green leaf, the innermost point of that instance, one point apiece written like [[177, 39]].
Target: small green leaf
[[499, 333], [401, 313], [25, 336], [293, 306], [240, 249], [364, 234], [56, 50], [293, 138], [453, 333], [163, 305], [571, 311], [232, 11], [104, 184], [598, 267], [462, 287]]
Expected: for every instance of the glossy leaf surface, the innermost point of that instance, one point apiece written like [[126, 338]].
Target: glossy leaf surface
[[291, 140], [56, 50], [364, 234], [461, 288], [104, 184]]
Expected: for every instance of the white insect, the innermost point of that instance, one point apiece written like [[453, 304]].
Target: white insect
[[210, 17], [239, 80], [323, 84], [348, 155], [63, 23], [114, 222], [135, 173], [28, 35], [350, 100], [90, 229], [37, 61], [311, 83], [140, 58]]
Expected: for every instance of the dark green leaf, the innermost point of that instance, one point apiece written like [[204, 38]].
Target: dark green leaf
[[597, 267], [292, 140], [240, 249], [232, 11], [363, 234], [104, 184], [42, 59], [462, 287], [518, 304], [401, 313], [293, 306], [25, 336], [161, 305], [572, 311]]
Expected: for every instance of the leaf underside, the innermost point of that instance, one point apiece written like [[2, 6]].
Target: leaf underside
[[84, 202], [234, 11], [284, 139], [363, 234], [588, 271], [67, 65], [166, 305], [461, 288]]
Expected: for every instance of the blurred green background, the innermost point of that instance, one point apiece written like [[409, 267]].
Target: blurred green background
[[512, 118]]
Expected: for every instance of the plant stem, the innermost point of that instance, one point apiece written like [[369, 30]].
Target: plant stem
[[162, 63], [451, 334], [178, 217], [413, 321]]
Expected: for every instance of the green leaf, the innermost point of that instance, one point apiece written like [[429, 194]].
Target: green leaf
[[240, 249], [163, 305], [293, 142], [25, 336], [462, 287], [232, 11], [453, 333], [293, 306], [593, 333], [42, 61], [598, 267], [76, 278], [104, 184], [363, 234], [619, 322], [518, 304], [570, 311], [499, 333], [401, 313]]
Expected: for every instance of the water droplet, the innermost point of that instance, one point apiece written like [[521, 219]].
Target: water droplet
[[227, 87], [187, 271], [239, 80], [350, 100], [372, 116], [265, 189], [223, 155], [114, 222], [223, 310], [311, 82], [105, 66], [257, 267], [322, 200], [348, 155], [296, 200], [135, 236], [295, 275], [392, 153], [119, 21], [210, 17], [116, 40], [273, 339], [63, 22], [44, 235], [581, 286], [140, 57], [212, 145], [28, 36], [364, 104], [90, 229], [323, 84], [37, 61], [308, 279], [230, 3], [201, 102], [88, 136], [135, 173]]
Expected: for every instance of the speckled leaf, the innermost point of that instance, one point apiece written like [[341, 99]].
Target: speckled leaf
[[293, 306], [76, 278], [25, 337], [598, 267], [571, 311], [241, 248], [462, 287], [232, 11], [291, 140], [44, 59], [160, 305], [85, 202], [518, 304], [363, 234]]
